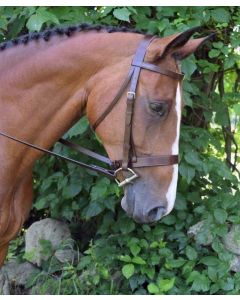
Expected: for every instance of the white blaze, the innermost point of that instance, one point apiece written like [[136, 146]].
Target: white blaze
[[171, 193]]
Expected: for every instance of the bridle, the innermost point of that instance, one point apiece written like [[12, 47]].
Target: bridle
[[130, 160]]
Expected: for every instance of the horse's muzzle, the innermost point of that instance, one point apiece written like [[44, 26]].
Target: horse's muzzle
[[141, 206]]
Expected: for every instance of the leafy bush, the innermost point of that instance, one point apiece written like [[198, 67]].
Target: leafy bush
[[119, 255]]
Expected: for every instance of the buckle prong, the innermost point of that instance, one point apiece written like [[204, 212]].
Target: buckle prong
[[126, 180]]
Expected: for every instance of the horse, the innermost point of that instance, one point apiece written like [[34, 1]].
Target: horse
[[50, 79]]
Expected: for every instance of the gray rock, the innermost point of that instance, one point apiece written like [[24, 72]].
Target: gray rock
[[4, 284], [66, 255], [48, 229], [232, 240], [235, 264], [15, 274], [19, 273], [195, 230]]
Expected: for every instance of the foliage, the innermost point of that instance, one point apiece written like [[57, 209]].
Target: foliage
[[119, 255]]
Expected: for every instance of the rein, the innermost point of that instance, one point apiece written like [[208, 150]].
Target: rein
[[130, 159]]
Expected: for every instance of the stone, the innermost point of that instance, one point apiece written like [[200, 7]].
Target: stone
[[195, 230], [235, 264], [232, 240], [19, 273], [66, 255], [4, 284], [54, 231], [15, 274]]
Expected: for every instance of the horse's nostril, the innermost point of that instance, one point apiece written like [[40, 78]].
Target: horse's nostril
[[156, 213]]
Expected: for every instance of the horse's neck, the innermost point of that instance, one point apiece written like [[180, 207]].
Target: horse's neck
[[43, 84]]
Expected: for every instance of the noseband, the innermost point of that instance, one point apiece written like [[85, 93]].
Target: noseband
[[130, 160]]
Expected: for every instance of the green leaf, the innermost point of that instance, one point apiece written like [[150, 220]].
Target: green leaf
[[79, 128], [236, 109], [146, 228], [127, 226], [149, 271], [84, 262], [218, 45], [16, 27], [125, 258], [214, 53], [217, 246], [212, 273], [187, 172], [188, 66], [43, 202], [187, 268], [133, 10], [169, 220], [35, 23], [214, 288], [200, 282], [220, 215], [230, 61], [227, 285], [220, 15], [153, 289], [72, 190], [155, 259], [176, 263], [193, 158], [45, 248], [135, 249], [128, 270], [221, 115], [138, 260], [67, 213], [100, 189], [191, 253], [106, 11], [210, 261], [154, 245], [93, 209], [122, 14], [166, 284], [110, 203], [47, 16]]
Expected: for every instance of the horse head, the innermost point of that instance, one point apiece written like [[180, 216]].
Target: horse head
[[155, 123]]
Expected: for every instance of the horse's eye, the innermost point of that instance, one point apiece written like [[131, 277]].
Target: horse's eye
[[159, 108]]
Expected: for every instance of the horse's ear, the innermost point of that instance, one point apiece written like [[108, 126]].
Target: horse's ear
[[178, 45], [190, 47], [176, 41]]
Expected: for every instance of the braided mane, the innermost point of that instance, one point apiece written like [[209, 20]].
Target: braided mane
[[62, 31]]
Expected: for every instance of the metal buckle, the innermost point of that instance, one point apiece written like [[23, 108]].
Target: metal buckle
[[127, 180], [131, 94]]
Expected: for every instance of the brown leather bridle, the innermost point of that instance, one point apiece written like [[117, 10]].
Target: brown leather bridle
[[130, 159]]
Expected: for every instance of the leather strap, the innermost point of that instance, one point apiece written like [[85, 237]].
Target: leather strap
[[127, 131], [85, 151], [131, 95], [106, 172], [157, 69], [114, 101], [151, 161]]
